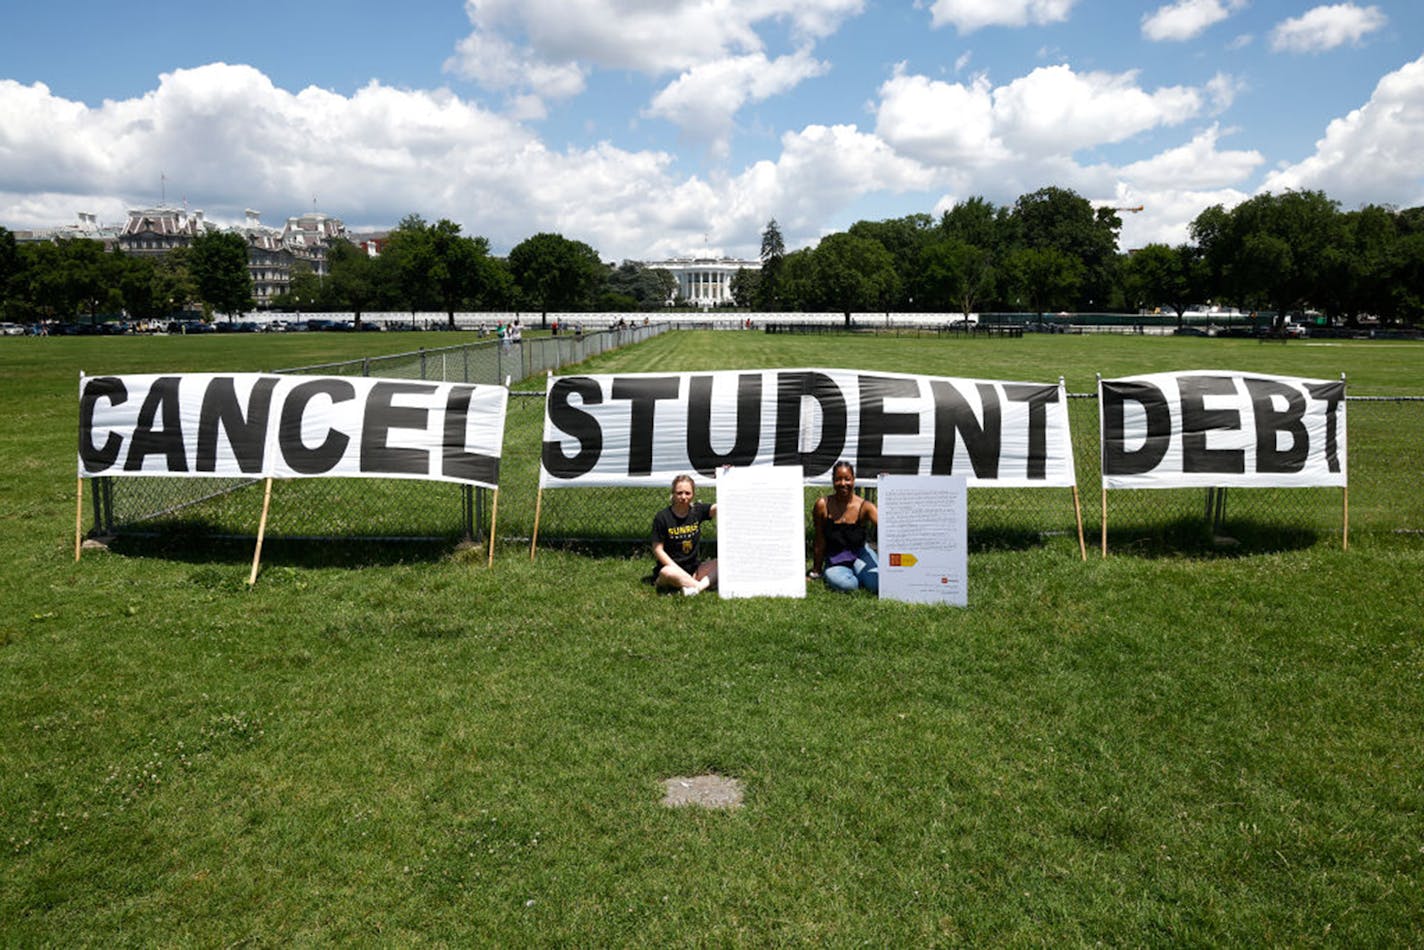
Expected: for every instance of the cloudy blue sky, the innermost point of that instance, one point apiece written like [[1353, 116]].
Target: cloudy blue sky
[[653, 128]]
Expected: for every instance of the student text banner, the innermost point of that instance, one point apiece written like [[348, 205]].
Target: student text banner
[[262, 425], [643, 429], [1219, 429]]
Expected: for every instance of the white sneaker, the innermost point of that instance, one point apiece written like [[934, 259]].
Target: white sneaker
[[691, 591]]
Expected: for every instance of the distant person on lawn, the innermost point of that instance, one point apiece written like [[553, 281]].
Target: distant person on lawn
[[841, 552], [677, 533]]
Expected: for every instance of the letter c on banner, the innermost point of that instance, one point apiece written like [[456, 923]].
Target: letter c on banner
[[103, 387], [324, 457]]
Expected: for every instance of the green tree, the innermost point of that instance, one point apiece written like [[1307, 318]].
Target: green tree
[[173, 285], [980, 222], [1407, 283], [406, 263], [11, 267], [1278, 251], [1061, 220], [746, 286], [455, 269], [1158, 275], [1360, 267], [553, 272], [853, 274], [904, 238], [1044, 277], [649, 288], [218, 262], [951, 274], [773, 252], [353, 283]]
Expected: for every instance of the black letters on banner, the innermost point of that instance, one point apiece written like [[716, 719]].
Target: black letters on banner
[[455, 461], [1332, 394], [380, 417], [1269, 422], [643, 394], [1197, 421], [104, 387], [876, 424], [790, 387], [247, 436], [577, 423], [953, 416], [323, 458], [1116, 459], [703, 457], [168, 441], [1038, 398]]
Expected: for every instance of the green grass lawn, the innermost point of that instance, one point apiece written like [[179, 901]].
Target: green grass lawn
[[393, 743]]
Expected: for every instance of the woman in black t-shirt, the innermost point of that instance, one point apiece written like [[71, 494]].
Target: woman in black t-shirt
[[677, 534], [840, 551]]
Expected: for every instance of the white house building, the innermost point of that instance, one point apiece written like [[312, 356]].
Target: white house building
[[704, 281]]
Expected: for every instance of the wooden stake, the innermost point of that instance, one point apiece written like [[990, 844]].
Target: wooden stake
[[79, 520], [538, 509], [1345, 521], [1078, 513], [261, 533], [494, 520], [1105, 522]]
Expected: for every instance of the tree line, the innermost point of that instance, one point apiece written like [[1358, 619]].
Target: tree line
[[1050, 250]]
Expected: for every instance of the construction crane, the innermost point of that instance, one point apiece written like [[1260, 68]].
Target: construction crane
[[1133, 209]]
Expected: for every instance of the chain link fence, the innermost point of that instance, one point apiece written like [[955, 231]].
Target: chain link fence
[[1386, 457]]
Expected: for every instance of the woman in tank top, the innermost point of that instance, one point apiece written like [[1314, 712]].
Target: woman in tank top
[[840, 552]]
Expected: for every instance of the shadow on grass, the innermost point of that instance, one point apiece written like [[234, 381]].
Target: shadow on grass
[[197, 543], [1194, 538]]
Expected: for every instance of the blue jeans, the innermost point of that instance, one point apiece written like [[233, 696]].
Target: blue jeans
[[864, 572]]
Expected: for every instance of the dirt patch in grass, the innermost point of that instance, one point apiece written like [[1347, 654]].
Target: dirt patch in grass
[[704, 791]]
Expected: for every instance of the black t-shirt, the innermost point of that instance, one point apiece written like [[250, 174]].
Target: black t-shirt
[[680, 536]]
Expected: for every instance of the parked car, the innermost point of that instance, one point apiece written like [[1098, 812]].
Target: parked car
[[11, 329]]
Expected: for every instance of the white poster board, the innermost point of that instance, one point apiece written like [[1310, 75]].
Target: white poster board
[[761, 532], [923, 536]]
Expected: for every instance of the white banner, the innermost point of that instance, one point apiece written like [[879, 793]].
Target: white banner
[[1222, 430], [262, 425], [645, 428]]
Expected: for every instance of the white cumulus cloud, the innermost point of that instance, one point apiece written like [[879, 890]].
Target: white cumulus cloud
[[1371, 154], [1056, 110], [1052, 111], [703, 100], [1197, 165], [966, 16], [541, 50], [1186, 19], [1326, 27]]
